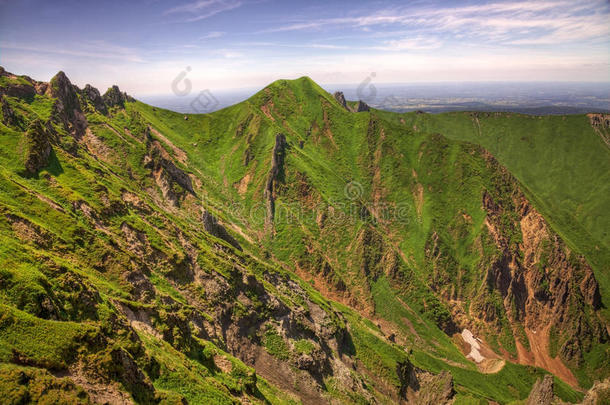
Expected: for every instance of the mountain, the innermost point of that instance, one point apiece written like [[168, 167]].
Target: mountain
[[298, 247]]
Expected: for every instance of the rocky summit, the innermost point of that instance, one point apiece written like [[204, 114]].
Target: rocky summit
[[298, 248]]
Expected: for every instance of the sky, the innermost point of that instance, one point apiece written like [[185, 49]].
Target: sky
[[158, 47]]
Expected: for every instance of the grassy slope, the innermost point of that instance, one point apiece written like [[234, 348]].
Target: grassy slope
[[327, 170], [31, 274], [560, 160]]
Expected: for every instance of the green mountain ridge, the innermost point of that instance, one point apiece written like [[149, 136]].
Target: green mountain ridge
[[290, 249]]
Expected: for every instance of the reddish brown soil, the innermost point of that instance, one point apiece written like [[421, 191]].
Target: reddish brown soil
[[538, 355]]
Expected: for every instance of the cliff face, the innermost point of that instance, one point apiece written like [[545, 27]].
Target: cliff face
[[549, 294], [537, 302], [173, 181]]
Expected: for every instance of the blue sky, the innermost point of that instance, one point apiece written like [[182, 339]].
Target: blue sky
[[144, 45]]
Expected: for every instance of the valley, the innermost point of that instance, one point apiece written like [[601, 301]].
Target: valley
[[298, 248]]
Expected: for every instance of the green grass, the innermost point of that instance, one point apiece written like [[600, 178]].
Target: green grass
[[391, 308], [46, 343], [20, 385], [562, 163], [303, 346], [512, 382], [275, 345], [177, 374]]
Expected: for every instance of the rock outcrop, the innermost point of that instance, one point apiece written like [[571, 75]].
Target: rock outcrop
[[70, 101], [172, 181], [67, 108], [66, 93], [211, 226], [115, 97], [424, 388], [17, 86], [542, 392], [38, 147], [361, 106], [341, 99], [275, 175], [9, 118], [601, 125], [435, 389], [93, 95], [598, 394]]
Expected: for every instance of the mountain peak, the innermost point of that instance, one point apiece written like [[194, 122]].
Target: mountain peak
[[303, 81], [60, 76], [65, 92]]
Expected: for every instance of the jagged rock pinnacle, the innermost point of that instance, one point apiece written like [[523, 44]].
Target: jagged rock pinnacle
[[65, 92], [361, 106], [341, 99], [93, 95], [114, 96]]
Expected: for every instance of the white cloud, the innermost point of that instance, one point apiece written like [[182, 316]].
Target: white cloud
[[546, 40], [413, 44], [87, 49], [517, 23], [213, 34], [204, 8]]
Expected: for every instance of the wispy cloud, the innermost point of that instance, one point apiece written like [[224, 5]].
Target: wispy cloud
[[89, 49], [416, 43], [313, 45], [203, 9], [401, 41], [213, 34], [511, 23], [325, 46]]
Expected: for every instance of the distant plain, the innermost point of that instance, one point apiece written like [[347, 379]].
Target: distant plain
[[538, 98]]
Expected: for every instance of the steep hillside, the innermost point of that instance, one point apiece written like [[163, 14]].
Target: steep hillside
[[293, 247]]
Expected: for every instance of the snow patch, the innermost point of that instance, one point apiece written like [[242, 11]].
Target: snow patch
[[474, 346]]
